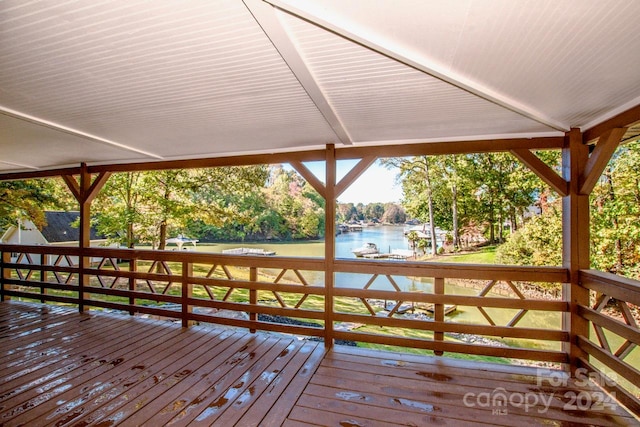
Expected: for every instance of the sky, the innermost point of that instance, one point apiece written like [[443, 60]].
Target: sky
[[376, 184]]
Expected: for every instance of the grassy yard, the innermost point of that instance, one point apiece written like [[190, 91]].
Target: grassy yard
[[484, 255]]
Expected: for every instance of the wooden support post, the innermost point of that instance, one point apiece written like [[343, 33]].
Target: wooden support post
[[133, 267], [253, 296], [85, 235], [575, 229], [438, 312], [329, 243], [6, 274], [187, 292]]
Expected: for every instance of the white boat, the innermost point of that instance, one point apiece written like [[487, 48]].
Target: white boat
[[366, 249]]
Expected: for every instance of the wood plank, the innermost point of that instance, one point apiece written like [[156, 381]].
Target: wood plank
[[286, 388], [335, 412], [301, 415], [158, 377], [105, 360], [241, 388], [150, 370], [156, 396], [454, 405], [225, 377], [451, 147], [55, 345], [282, 369], [467, 372], [281, 408]]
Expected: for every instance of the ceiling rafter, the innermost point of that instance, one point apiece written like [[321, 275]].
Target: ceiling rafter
[[61, 128], [265, 15], [395, 52]]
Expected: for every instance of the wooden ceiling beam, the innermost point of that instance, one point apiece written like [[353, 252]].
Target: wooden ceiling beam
[[624, 119], [451, 147], [381, 151]]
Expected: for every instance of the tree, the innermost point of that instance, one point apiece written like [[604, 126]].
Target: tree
[[615, 214], [26, 199], [416, 175]]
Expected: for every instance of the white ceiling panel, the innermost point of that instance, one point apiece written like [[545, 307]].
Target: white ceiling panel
[[29, 146], [572, 60], [101, 81], [380, 99]]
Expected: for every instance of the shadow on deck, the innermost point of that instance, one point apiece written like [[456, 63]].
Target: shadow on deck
[[58, 367]]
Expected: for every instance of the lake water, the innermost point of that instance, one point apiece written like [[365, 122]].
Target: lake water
[[387, 238]]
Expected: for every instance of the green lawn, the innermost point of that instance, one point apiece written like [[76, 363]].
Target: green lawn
[[485, 255]]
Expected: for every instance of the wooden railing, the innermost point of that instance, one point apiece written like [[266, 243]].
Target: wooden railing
[[613, 318], [262, 291], [511, 303]]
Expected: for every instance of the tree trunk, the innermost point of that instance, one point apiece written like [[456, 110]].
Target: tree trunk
[[163, 236], [616, 226], [454, 214], [492, 223], [130, 242], [432, 225]]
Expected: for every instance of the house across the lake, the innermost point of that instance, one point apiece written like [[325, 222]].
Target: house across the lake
[[59, 231]]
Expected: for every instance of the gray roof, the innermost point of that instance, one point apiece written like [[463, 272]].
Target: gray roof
[[59, 227]]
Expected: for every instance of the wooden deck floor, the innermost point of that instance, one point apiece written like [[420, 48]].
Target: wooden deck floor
[[58, 367]]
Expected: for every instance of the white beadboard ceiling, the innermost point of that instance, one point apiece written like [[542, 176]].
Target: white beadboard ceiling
[[118, 81]]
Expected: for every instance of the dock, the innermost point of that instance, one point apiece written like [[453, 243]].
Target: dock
[[248, 251]]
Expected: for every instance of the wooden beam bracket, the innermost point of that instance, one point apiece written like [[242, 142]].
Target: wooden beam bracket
[[544, 172], [607, 144]]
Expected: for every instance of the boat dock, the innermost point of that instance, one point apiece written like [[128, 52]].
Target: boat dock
[[248, 251]]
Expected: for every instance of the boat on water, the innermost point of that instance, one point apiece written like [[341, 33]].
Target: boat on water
[[366, 249]]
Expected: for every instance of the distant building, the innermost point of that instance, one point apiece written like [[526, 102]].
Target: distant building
[[58, 231]]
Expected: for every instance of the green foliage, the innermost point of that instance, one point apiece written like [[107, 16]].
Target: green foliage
[[26, 199], [390, 213], [615, 214], [539, 242]]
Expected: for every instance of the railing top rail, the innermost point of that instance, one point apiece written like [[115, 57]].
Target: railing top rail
[[456, 271], [619, 287], [40, 249]]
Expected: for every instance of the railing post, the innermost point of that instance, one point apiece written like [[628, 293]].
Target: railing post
[[575, 229], [187, 292], [6, 274], [44, 261], [438, 312], [133, 267], [253, 296]]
